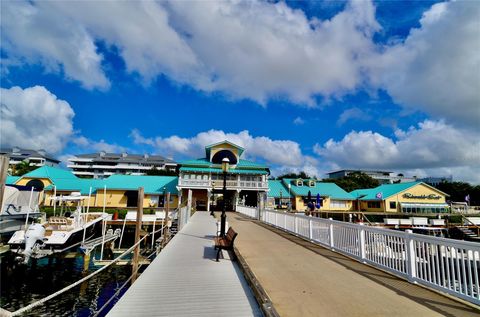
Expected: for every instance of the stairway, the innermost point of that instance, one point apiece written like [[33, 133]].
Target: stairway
[[468, 234]]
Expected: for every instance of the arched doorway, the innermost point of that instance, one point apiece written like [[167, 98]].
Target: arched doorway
[[132, 198]]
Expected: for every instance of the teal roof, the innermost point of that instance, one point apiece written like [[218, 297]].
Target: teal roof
[[387, 190], [331, 190], [219, 170], [203, 162], [277, 189], [12, 180], [50, 172], [151, 184], [197, 162], [81, 185]]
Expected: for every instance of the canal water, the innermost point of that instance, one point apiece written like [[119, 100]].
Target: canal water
[[22, 285]]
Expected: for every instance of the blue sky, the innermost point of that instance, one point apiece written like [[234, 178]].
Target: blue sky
[[314, 86]]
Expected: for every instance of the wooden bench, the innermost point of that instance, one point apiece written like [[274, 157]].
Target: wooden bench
[[225, 243]]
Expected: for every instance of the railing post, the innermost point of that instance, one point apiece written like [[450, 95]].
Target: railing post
[[276, 216], [411, 258], [310, 229], [330, 230], [361, 237], [295, 224]]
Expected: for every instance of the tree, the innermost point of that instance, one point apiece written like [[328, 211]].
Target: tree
[[459, 190], [353, 181], [22, 168], [302, 175], [155, 171]]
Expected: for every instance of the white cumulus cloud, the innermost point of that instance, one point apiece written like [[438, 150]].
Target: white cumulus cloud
[[282, 152], [431, 145], [36, 34], [437, 68], [255, 50], [34, 118]]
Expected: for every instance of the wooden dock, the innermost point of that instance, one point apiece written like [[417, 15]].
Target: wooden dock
[[185, 280]]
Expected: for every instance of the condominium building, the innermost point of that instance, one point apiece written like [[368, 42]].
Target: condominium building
[[102, 164], [33, 157], [383, 177]]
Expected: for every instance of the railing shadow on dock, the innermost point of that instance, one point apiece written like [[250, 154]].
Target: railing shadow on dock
[[403, 288]]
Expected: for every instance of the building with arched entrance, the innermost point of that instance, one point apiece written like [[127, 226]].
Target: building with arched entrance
[[200, 181]]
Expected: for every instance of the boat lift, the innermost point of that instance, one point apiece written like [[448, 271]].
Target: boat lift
[[110, 236]]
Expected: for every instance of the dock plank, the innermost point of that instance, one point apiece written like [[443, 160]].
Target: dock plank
[[185, 280]]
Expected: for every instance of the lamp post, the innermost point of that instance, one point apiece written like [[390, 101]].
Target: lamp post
[[225, 163]]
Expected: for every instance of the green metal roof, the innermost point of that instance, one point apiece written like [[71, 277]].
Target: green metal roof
[[331, 190], [78, 184], [219, 170], [12, 180], [387, 190], [151, 184], [277, 189], [50, 172], [203, 162], [250, 164]]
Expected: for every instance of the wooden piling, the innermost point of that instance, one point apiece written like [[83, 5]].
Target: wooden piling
[[165, 227], [136, 252]]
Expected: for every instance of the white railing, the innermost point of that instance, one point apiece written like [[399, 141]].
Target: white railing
[[447, 265], [249, 211], [219, 183]]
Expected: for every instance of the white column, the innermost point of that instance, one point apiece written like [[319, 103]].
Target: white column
[[208, 199]]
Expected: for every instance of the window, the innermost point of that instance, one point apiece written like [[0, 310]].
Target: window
[[393, 205], [373, 204], [338, 204]]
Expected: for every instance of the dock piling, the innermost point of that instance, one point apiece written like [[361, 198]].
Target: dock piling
[[136, 252]]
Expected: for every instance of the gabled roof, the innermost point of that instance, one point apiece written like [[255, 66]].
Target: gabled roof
[[208, 147], [387, 190], [331, 190], [277, 189], [52, 173]]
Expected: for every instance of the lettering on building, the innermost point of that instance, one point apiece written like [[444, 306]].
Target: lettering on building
[[412, 196]]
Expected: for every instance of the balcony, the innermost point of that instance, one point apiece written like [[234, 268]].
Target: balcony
[[231, 184]]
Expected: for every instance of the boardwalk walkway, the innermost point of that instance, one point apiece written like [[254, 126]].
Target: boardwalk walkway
[[304, 279], [185, 280]]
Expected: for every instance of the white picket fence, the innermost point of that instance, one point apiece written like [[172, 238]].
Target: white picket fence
[[447, 265]]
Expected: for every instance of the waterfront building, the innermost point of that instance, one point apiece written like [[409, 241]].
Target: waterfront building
[[332, 197], [202, 179], [383, 177], [117, 191], [102, 164], [412, 197], [33, 157]]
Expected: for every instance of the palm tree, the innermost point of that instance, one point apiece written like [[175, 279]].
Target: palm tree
[[22, 168]]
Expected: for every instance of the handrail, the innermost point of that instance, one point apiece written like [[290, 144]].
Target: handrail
[[474, 224], [446, 265]]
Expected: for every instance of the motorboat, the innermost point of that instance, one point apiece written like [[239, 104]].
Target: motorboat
[[59, 233], [20, 203]]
